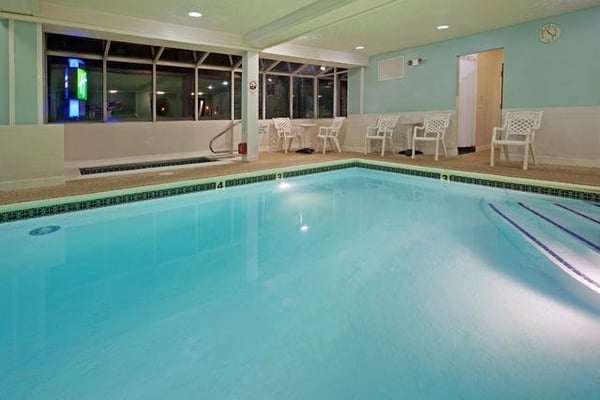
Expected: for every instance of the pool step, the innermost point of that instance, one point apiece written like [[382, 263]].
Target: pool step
[[567, 234]]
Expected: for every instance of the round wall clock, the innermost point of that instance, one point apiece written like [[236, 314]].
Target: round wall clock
[[549, 33]]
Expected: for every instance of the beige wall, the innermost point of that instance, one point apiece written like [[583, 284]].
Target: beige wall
[[31, 156], [567, 136]]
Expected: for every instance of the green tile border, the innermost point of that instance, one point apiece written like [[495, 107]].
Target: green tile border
[[23, 211]]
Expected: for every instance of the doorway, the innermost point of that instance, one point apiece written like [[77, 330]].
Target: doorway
[[479, 103]]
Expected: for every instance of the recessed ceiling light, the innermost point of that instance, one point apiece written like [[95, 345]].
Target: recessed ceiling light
[[359, 47], [195, 14], [442, 27]]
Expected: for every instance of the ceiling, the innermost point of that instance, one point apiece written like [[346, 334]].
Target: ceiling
[[319, 29]]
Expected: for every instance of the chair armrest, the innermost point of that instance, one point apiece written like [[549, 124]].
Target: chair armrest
[[324, 130], [495, 131], [417, 128]]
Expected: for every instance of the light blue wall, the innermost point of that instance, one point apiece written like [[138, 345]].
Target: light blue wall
[[3, 72], [565, 73], [25, 73]]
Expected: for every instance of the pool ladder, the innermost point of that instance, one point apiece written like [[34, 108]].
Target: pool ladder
[[224, 152]]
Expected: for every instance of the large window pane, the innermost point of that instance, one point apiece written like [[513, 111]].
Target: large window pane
[[326, 97], [303, 99], [214, 94], [278, 100], [74, 89], [129, 91], [174, 93], [237, 98], [342, 95]]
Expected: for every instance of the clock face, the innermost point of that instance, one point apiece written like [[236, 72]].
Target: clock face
[[549, 33]]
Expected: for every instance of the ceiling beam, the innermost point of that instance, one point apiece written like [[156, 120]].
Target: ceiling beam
[[315, 16]]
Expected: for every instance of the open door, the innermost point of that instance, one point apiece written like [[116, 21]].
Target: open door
[[479, 104]]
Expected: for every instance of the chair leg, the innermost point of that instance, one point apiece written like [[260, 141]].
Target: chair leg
[[336, 142], [525, 157], [382, 147], [492, 153], [437, 148], [324, 145], [444, 148], [413, 148], [365, 150], [532, 153], [505, 149]]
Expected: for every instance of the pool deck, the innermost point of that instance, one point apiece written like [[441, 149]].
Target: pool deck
[[472, 162]]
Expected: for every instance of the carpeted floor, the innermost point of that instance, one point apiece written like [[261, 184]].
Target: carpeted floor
[[471, 162]]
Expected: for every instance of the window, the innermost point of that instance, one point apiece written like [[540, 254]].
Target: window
[[129, 91], [214, 94], [303, 98], [277, 96], [174, 93], [75, 62], [342, 95], [325, 97], [237, 99], [74, 89]]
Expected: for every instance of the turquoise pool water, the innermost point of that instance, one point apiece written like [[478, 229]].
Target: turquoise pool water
[[348, 285]]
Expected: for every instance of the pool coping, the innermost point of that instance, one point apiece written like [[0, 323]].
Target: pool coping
[[61, 205]]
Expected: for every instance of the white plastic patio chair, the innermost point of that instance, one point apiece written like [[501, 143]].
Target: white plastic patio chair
[[518, 129], [433, 130], [286, 132], [383, 130], [331, 133]]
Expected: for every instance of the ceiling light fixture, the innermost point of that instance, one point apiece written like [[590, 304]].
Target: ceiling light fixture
[[359, 48], [442, 27], [195, 14]]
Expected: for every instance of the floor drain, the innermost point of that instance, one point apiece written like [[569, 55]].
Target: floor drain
[[44, 230]]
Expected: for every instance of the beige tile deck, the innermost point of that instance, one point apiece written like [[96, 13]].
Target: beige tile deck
[[473, 162]]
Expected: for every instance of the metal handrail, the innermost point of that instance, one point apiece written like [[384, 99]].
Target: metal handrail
[[224, 131]]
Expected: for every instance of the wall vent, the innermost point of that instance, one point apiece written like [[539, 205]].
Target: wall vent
[[392, 68]]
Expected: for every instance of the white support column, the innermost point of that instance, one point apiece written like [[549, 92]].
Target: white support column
[[362, 90], [250, 104]]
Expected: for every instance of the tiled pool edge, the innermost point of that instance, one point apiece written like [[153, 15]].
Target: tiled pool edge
[[23, 211]]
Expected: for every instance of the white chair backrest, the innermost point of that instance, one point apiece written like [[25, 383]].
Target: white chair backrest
[[337, 123], [436, 122], [522, 122], [283, 126], [387, 123]]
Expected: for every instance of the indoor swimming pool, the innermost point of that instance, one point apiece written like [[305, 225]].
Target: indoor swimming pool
[[350, 284]]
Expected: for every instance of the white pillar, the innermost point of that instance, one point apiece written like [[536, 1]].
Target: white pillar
[[250, 104]]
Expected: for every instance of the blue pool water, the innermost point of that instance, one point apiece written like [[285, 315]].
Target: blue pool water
[[347, 285]]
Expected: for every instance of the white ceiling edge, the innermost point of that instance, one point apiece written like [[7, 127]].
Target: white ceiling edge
[[304, 54], [75, 18]]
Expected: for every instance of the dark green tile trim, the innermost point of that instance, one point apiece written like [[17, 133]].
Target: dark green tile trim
[[36, 212], [250, 179], [400, 170], [143, 165], [521, 187], [316, 170]]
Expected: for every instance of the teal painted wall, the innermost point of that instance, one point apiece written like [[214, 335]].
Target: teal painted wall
[[25, 73], [3, 72], [565, 73]]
